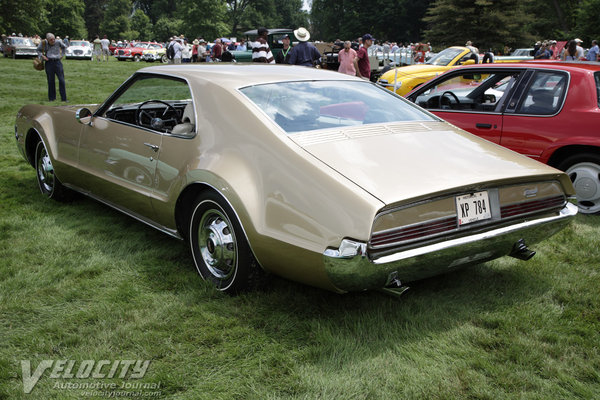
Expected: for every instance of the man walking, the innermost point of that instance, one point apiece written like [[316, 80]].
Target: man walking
[[51, 51], [362, 65], [105, 50]]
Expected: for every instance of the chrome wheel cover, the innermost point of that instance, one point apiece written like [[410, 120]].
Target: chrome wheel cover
[[586, 180], [45, 170], [217, 244]]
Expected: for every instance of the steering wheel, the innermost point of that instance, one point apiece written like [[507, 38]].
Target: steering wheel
[[444, 95], [169, 118]]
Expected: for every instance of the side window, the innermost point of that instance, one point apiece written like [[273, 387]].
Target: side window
[[474, 91], [159, 103], [545, 93]]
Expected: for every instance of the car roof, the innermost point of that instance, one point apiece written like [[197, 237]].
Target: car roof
[[550, 64], [235, 76]]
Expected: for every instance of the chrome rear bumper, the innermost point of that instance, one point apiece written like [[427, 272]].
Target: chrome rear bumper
[[350, 268]]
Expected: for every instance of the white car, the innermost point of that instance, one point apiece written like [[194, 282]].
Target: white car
[[79, 49]]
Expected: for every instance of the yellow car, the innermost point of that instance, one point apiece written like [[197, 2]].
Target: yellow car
[[404, 79], [155, 53]]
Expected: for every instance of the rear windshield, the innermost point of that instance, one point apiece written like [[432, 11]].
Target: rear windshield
[[306, 106]]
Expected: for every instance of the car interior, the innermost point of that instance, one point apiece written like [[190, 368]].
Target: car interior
[[156, 103]]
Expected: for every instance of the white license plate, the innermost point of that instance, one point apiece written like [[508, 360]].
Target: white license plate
[[473, 207]]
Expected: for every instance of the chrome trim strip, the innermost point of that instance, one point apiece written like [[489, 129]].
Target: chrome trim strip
[[570, 210], [147, 221]]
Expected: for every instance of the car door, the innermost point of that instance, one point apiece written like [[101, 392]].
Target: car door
[[471, 99], [119, 150], [530, 116]]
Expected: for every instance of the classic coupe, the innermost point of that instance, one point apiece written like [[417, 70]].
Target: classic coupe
[[16, 46], [135, 51], [312, 175], [79, 49], [547, 110]]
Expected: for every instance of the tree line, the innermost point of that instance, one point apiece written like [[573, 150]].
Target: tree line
[[488, 23]]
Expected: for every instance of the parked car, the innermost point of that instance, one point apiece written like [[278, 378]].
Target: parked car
[[15, 46], [79, 49], [404, 79], [547, 110], [135, 51], [155, 52], [113, 47], [273, 39], [523, 52], [312, 175]]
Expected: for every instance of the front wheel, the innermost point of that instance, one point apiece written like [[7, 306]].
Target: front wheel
[[137, 58], [584, 171], [219, 247], [49, 184], [164, 59]]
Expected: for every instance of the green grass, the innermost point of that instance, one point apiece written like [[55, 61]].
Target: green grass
[[79, 281]]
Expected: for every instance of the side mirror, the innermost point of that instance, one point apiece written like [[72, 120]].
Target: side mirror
[[469, 62], [84, 116]]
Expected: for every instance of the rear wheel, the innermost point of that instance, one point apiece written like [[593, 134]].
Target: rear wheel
[[219, 246], [584, 171], [137, 58], [49, 184], [164, 59]]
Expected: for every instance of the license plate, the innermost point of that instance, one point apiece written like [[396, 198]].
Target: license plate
[[473, 207]]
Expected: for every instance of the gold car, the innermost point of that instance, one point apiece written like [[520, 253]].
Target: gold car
[[315, 176]]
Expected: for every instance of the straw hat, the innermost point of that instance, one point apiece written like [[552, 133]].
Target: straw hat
[[195, 42], [302, 34]]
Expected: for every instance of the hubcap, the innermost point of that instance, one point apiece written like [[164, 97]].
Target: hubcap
[[217, 244], [586, 180], [45, 170]]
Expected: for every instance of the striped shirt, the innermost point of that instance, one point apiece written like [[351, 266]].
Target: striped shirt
[[261, 52]]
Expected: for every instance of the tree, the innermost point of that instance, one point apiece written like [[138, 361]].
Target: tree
[[65, 17], [489, 24], [587, 21], [116, 22], [206, 18], [140, 24], [93, 16], [166, 27], [398, 20], [23, 16]]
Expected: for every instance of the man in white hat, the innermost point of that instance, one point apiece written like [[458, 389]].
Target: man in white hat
[[304, 53]]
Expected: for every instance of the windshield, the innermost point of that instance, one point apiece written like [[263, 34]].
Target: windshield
[[306, 106], [444, 57], [22, 42], [79, 43]]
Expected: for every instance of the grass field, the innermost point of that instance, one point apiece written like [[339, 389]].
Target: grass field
[[82, 282]]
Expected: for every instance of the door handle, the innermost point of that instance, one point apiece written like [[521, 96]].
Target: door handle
[[484, 126], [152, 146]]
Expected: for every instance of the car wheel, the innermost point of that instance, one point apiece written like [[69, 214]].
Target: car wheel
[[14, 55], [164, 59], [219, 246], [584, 171], [49, 184], [136, 58]]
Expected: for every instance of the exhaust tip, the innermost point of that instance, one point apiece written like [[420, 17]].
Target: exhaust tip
[[521, 251]]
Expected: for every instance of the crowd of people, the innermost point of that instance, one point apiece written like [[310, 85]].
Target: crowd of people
[[353, 56]]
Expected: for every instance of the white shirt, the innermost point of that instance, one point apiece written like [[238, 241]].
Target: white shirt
[[105, 43]]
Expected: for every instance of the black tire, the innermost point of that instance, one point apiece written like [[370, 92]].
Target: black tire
[[137, 58], [164, 59], [219, 246], [584, 171], [49, 184]]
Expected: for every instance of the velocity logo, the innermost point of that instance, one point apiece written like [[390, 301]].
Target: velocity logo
[[71, 369]]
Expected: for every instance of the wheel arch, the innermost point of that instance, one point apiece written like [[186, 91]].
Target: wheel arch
[[183, 210], [562, 153]]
